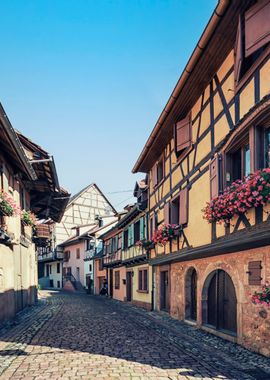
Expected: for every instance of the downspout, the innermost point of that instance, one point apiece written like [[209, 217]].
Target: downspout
[[196, 55]]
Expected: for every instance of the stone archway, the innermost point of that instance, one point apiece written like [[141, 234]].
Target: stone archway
[[191, 294], [219, 302]]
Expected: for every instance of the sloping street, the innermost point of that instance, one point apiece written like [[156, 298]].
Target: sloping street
[[76, 336]]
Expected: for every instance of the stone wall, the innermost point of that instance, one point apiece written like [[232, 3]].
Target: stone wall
[[253, 321]]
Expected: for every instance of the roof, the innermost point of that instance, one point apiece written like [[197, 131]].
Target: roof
[[12, 146], [53, 199], [77, 195], [216, 42]]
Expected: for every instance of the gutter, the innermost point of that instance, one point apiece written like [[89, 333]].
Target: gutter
[[196, 55]]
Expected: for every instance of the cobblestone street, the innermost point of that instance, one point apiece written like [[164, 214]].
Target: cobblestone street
[[75, 336]]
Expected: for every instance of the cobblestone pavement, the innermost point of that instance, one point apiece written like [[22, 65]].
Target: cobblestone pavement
[[75, 336]]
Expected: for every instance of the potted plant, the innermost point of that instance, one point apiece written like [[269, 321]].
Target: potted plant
[[28, 218], [8, 206], [263, 297], [165, 233]]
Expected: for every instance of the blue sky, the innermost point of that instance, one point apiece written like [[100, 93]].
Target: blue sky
[[87, 79]]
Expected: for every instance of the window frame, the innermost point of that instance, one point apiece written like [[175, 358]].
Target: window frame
[[117, 279], [143, 285]]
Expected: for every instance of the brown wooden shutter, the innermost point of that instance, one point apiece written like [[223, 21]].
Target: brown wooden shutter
[[214, 177], [154, 175], [167, 213], [183, 206], [254, 273], [238, 51], [182, 134], [257, 26]]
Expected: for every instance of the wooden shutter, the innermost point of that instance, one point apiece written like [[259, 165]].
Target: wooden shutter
[[167, 213], [215, 176], [154, 174], [145, 279], [122, 241], [131, 235], [254, 273], [183, 206], [140, 284], [238, 51], [182, 134], [142, 235], [257, 26], [116, 243]]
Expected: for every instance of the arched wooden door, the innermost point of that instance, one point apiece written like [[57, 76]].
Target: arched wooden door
[[222, 302], [191, 294]]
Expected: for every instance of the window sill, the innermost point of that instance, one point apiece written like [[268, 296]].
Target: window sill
[[142, 291]]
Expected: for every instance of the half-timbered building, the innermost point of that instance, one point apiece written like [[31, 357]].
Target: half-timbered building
[[126, 253], [28, 184], [212, 134]]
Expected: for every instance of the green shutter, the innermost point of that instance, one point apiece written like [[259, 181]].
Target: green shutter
[[131, 235], [116, 243], [123, 241], [142, 235]]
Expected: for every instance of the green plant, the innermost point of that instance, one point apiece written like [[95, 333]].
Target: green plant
[[28, 218]]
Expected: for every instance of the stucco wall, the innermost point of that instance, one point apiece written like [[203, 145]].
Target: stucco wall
[[74, 262]]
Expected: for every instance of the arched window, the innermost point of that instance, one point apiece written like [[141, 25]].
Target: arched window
[[191, 295], [219, 303]]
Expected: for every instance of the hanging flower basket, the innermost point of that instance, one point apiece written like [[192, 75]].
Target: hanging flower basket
[[263, 297], [165, 233], [242, 195], [28, 218], [8, 206]]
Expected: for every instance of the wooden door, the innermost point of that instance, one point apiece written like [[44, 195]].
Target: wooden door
[[129, 286], [164, 291], [193, 296], [222, 302], [111, 283]]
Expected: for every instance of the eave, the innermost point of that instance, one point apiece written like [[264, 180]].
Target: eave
[[253, 237], [213, 47]]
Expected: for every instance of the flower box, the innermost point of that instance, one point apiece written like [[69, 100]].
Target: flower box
[[242, 195], [28, 218], [165, 233], [8, 206]]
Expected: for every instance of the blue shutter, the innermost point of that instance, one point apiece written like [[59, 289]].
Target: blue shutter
[[142, 234], [123, 241], [131, 235]]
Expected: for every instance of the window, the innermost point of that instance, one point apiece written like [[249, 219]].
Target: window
[[117, 279], [115, 243], [125, 243], [153, 224], [137, 231], [143, 280], [90, 244], [69, 271], [100, 263], [47, 270], [58, 284], [50, 269], [253, 35], [78, 253], [175, 208], [58, 268], [182, 136], [66, 255], [158, 172], [90, 267], [238, 161], [267, 148]]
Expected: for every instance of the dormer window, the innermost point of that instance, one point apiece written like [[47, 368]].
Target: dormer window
[[253, 34]]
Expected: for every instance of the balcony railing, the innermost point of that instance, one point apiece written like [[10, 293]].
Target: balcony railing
[[113, 258]]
